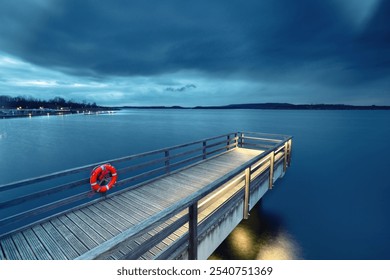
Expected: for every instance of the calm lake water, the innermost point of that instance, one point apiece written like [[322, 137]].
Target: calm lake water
[[333, 203]]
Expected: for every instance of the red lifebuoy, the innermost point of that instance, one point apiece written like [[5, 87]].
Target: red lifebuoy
[[102, 174]]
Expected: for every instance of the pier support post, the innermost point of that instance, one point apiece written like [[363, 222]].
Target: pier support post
[[247, 192], [193, 232]]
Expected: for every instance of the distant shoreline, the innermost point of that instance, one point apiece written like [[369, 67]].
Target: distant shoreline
[[20, 113], [269, 106], [28, 113]]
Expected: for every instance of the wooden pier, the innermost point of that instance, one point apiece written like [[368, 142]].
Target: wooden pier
[[173, 203]]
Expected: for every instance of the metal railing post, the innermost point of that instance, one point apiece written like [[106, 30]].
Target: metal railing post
[[193, 232], [285, 156], [271, 169], [241, 142], [247, 192], [289, 152], [228, 142]]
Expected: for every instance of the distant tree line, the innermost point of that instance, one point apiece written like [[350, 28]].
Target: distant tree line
[[29, 102]]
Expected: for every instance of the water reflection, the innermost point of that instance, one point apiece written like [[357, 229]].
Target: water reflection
[[261, 237]]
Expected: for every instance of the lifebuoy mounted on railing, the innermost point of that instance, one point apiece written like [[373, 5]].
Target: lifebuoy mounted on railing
[[103, 177]]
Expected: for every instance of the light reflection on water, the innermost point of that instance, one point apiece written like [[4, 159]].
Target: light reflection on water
[[261, 237]]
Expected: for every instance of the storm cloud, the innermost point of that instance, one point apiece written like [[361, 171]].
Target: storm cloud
[[338, 49], [180, 89]]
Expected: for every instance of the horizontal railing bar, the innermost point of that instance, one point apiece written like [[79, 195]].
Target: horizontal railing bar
[[259, 164], [141, 165], [22, 183], [265, 164], [221, 142], [199, 141], [39, 194], [262, 139], [44, 208], [153, 162], [269, 135], [140, 176], [220, 149], [184, 153], [219, 193], [278, 150]]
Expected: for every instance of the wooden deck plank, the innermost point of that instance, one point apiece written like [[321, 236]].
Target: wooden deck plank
[[2, 256], [209, 170], [129, 209], [145, 200], [95, 224], [220, 165], [51, 246], [98, 217], [10, 250], [79, 232], [170, 197], [122, 208], [200, 175], [114, 213], [111, 219], [139, 216], [154, 206], [138, 204], [113, 223], [134, 201], [108, 221], [26, 253], [86, 228], [126, 220], [61, 241], [72, 239], [35, 243], [163, 206], [197, 183], [158, 191], [184, 185]]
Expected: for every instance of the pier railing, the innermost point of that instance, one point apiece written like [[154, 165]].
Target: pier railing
[[46, 196]]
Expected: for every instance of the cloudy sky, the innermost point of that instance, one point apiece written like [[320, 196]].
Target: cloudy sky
[[178, 52]]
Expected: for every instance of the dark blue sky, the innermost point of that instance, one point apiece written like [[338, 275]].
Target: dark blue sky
[[178, 52]]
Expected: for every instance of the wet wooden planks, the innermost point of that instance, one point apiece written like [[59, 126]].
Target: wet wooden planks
[[76, 232]]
